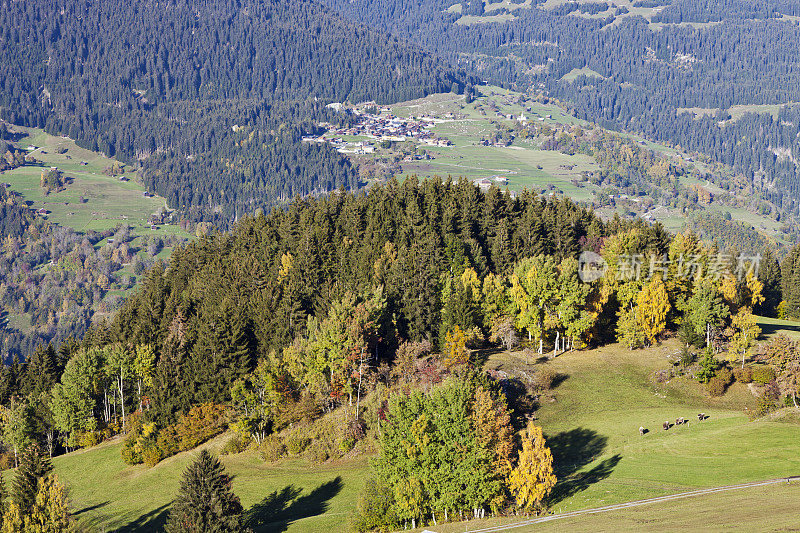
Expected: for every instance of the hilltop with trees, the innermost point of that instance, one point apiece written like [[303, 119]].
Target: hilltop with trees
[[341, 324]]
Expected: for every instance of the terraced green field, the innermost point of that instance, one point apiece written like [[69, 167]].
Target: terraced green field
[[109, 201]]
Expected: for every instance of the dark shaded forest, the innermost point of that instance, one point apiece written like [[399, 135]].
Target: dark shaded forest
[[749, 58], [210, 98]]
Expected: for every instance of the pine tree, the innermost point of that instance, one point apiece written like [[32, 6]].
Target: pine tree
[[769, 273], [33, 466], [532, 479], [40, 371], [790, 282], [205, 502]]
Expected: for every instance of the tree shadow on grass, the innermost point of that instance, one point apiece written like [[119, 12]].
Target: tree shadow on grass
[[768, 330], [481, 355], [280, 508], [579, 482], [558, 380], [89, 508], [572, 450], [152, 521]]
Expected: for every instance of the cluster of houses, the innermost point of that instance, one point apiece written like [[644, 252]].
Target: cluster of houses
[[378, 127]]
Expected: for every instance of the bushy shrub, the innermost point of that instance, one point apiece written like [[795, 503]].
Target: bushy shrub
[[763, 374], [318, 452], [544, 378], [764, 405], [716, 386], [167, 442], [743, 375], [202, 422], [151, 455], [346, 444], [272, 449], [236, 444], [88, 439], [375, 508], [725, 375], [131, 448], [305, 409], [129, 456], [297, 442]]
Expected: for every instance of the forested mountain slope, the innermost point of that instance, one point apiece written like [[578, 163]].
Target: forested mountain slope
[[715, 77], [211, 98]]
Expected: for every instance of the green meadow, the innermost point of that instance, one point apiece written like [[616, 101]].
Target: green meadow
[[108, 200], [591, 419]]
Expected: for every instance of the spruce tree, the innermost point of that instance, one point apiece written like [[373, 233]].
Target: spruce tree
[[33, 466], [769, 273], [40, 371], [205, 502]]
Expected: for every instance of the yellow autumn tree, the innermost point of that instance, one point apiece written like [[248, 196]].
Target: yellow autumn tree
[[49, 513], [13, 521], [745, 331], [727, 288], [533, 478], [287, 262], [494, 433], [753, 290], [652, 306], [455, 348]]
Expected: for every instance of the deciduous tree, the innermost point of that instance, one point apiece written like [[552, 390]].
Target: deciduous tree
[[532, 478]]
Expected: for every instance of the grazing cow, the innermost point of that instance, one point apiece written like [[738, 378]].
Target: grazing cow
[[666, 425], [641, 430], [701, 416], [679, 421]]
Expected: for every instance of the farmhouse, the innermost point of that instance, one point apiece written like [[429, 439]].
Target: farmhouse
[[483, 183]]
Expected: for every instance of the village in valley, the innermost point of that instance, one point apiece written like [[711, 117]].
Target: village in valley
[[516, 141], [374, 125]]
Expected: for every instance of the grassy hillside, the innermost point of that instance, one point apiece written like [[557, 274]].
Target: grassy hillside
[[92, 200], [109, 201], [291, 496], [591, 419], [741, 510]]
